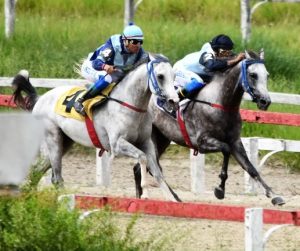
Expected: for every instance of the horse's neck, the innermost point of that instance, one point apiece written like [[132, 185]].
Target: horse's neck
[[224, 89], [133, 89]]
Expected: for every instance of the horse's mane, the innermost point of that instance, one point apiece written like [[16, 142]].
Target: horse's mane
[[232, 71], [253, 54], [159, 57]]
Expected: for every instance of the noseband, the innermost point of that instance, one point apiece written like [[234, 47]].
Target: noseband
[[244, 81], [152, 80]]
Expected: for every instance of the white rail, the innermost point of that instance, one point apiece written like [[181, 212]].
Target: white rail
[[282, 98]]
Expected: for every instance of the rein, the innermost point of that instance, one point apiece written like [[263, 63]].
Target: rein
[[136, 109], [217, 106]]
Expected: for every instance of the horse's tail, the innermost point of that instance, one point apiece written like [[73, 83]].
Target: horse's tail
[[21, 84]]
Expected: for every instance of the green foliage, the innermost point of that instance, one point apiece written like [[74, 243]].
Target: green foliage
[[37, 221]]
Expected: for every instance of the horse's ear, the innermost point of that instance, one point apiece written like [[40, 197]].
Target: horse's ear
[[247, 54], [262, 54]]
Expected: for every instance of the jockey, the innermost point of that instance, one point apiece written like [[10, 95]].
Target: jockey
[[111, 61], [196, 69]]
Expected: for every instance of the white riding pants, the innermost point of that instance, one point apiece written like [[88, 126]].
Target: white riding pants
[[184, 76], [90, 74]]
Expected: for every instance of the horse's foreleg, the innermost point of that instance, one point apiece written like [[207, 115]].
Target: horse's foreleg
[[208, 145], [160, 145], [123, 147], [220, 191], [156, 172], [238, 151]]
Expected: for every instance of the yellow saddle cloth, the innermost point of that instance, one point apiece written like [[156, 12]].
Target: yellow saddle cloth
[[64, 105]]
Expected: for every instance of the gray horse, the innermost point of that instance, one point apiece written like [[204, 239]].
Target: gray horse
[[122, 123], [211, 121]]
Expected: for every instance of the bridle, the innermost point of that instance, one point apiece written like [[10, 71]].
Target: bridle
[[152, 80], [244, 79]]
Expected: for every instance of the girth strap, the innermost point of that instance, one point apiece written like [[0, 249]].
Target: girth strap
[[184, 132], [93, 135]]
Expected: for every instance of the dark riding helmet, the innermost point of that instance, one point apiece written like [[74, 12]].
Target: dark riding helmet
[[222, 42]]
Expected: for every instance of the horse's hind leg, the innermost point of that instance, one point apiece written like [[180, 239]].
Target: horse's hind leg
[[238, 151], [123, 147], [208, 144], [55, 142], [137, 180]]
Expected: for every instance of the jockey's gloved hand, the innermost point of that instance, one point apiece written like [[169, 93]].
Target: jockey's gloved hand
[[109, 68]]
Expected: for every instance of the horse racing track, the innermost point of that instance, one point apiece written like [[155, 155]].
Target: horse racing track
[[192, 233]]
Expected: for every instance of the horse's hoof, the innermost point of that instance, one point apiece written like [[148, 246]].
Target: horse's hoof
[[278, 201], [219, 193], [145, 195]]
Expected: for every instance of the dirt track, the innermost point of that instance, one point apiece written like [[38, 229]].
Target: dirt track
[[191, 234]]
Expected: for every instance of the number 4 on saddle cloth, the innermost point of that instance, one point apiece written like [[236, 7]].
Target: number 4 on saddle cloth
[[64, 105]]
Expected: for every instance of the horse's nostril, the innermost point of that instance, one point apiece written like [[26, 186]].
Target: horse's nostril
[[171, 101], [263, 101]]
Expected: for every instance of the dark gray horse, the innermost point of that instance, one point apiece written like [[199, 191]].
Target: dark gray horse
[[212, 121]]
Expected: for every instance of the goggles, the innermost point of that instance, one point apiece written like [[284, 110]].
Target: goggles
[[135, 41], [225, 52]]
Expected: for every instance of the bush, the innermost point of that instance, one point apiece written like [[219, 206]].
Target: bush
[[37, 222]]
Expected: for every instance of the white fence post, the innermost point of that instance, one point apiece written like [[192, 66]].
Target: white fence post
[[197, 164], [103, 169], [253, 229], [251, 147], [9, 17]]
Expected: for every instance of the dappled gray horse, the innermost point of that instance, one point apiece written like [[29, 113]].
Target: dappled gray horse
[[122, 124], [212, 121]]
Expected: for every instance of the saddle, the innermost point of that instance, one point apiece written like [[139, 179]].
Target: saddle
[[64, 105]]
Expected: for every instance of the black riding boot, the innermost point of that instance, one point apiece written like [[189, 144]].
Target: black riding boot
[[78, 106], [182, 93]]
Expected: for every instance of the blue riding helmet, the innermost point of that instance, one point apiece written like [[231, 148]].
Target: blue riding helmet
[[133, 32], [222, 42]]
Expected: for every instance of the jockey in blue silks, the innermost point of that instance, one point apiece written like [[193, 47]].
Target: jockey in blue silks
[[111, 61], [196, 69]]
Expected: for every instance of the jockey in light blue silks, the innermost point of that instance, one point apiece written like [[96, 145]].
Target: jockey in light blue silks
[[111, 61], [196, 69]]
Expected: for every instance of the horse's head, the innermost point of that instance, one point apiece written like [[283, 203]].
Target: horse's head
[[254, 79], [161, 81]]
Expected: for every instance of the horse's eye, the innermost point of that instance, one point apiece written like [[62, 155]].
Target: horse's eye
[[253, 76], [160, 77]]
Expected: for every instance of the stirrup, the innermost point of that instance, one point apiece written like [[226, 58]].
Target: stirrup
[[79, 108]]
